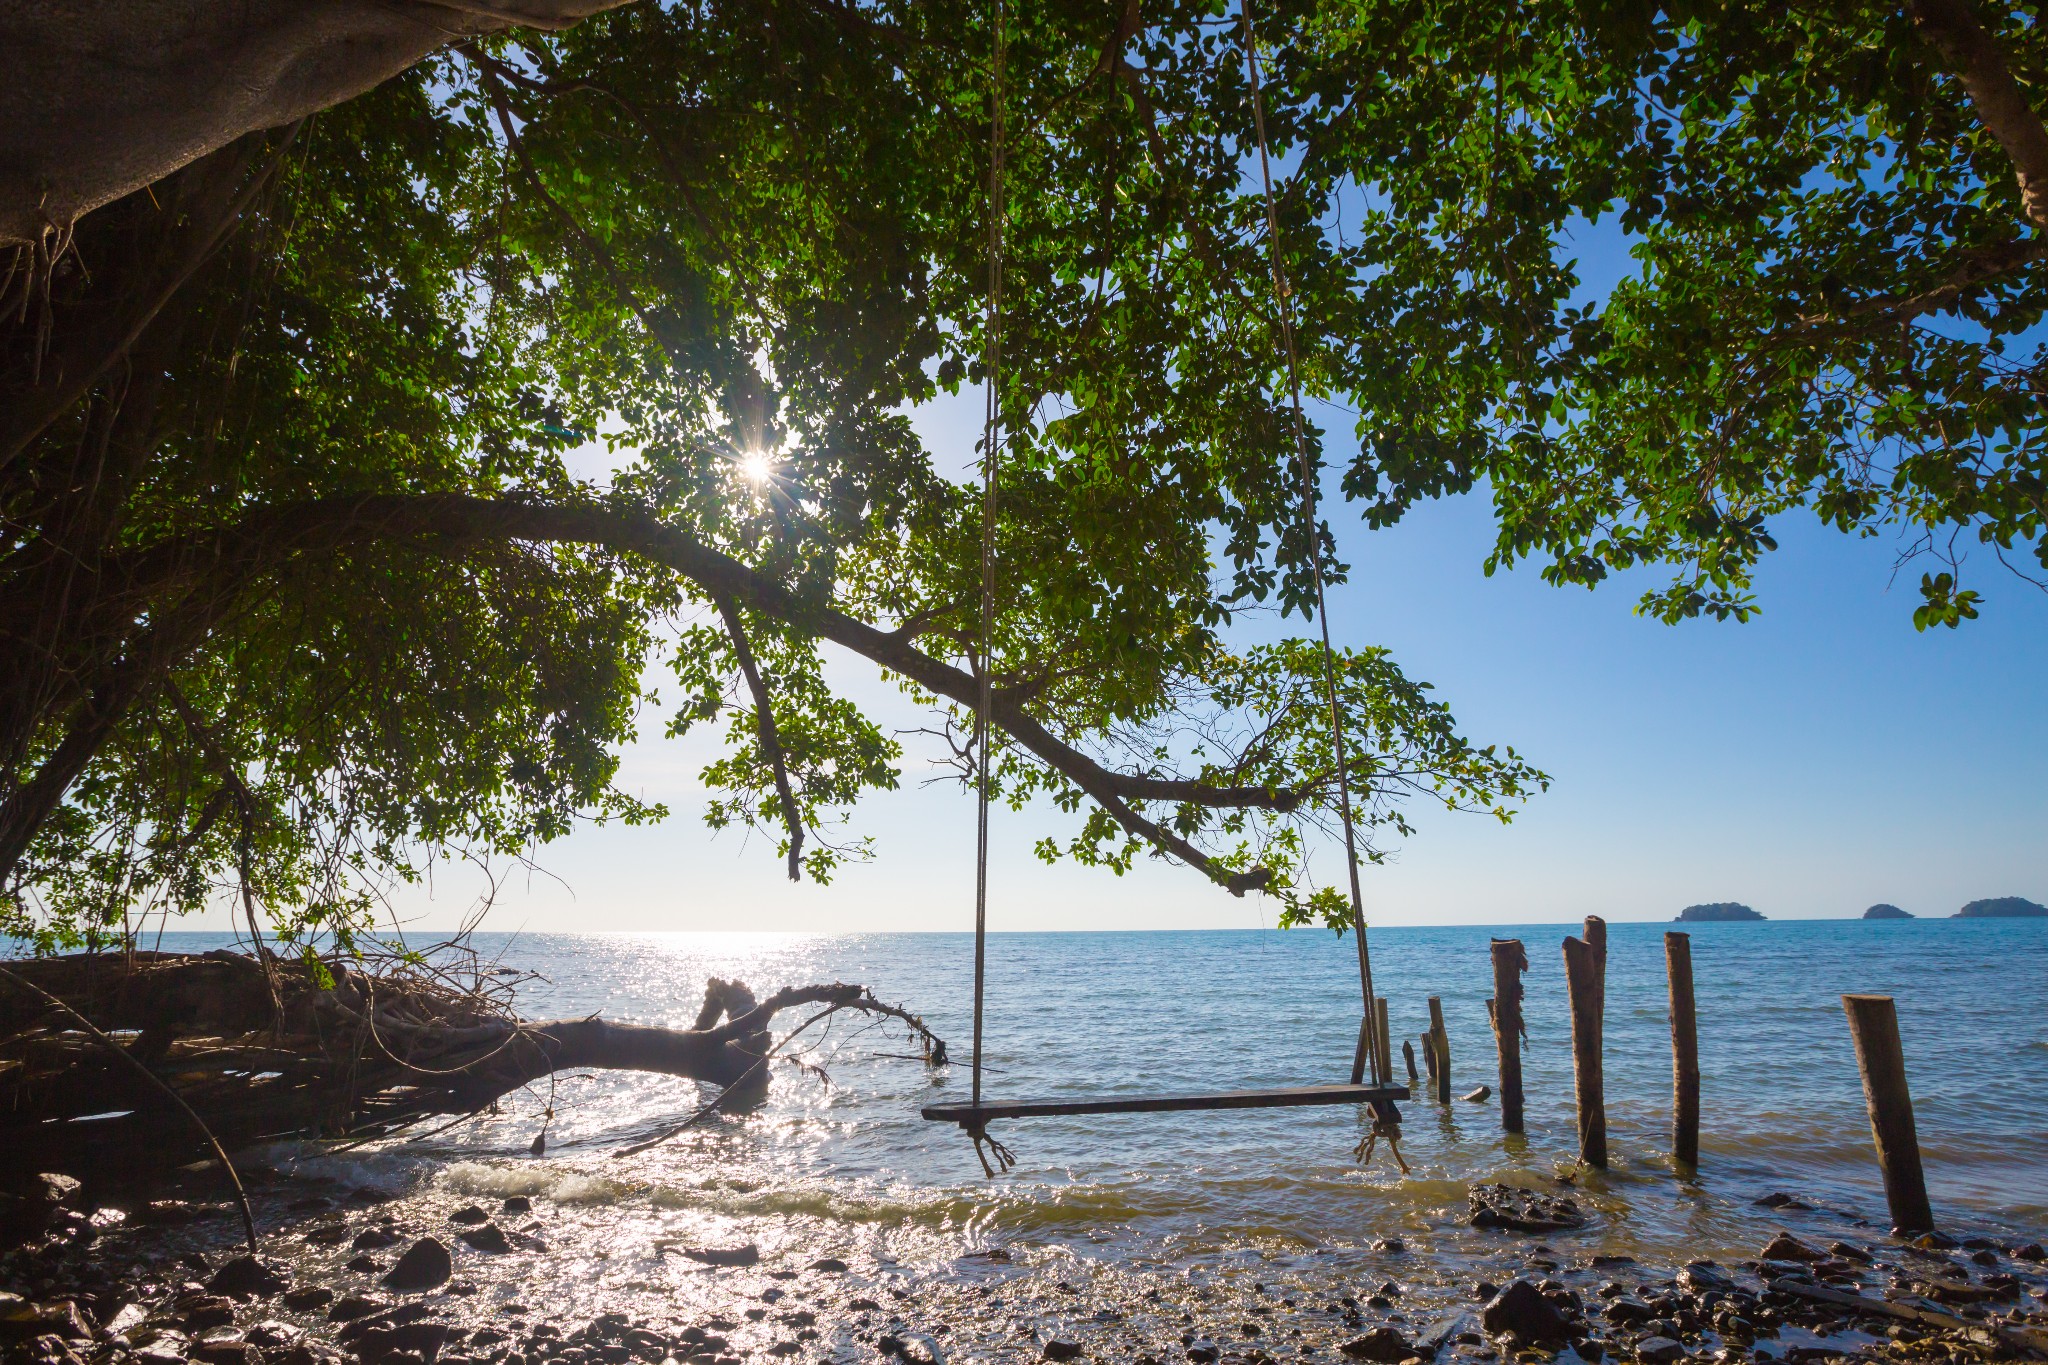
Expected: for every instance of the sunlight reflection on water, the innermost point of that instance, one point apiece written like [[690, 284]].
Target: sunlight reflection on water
[[1081, 1013]]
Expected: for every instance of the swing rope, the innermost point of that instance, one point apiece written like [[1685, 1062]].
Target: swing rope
[[994, 1157], [1283, 294]]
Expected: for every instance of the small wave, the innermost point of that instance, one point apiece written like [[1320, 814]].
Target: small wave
[[564, 1187]]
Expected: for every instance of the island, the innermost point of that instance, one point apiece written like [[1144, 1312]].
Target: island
[[1884, 911], [2003, 907], [1718, 912]]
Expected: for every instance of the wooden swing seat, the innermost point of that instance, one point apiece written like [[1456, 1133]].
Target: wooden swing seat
[[968, 1116]]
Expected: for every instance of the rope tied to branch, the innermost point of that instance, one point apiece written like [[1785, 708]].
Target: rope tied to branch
[[992, 427], [1283, 294]]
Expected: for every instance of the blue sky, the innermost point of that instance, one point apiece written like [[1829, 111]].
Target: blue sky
[[1819, 758]]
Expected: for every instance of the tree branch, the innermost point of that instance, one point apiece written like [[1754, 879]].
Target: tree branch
[[764, 727], [1972, 270], [1974, 57], [267, 538]]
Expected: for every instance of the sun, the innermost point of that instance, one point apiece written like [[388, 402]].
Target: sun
[[757, 469]]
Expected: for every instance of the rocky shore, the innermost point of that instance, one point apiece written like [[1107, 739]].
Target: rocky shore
[[99, 1287]]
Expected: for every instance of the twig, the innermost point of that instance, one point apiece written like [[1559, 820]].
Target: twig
[[241, 1196]]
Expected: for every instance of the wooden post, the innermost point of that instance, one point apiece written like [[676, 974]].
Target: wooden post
[[1408, 1052], [1383, 1041], [1596, 939], [1509, 962], [1874, 1024], [1360, 1054], [1440, 1042], [1685, 1052], [1582, 982]]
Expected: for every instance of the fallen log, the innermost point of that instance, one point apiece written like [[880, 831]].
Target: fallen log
[[342, 1050]]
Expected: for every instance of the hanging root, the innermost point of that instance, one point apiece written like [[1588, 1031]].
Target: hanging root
[[1386, 1123], [995, 1158]]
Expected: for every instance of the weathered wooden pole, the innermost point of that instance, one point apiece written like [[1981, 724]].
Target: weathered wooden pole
[[1440, 1043], [1383, 1041], [1596, 939], [1582, 984], [1361, 1056], [1408, 1053], [1509, 962], [1874, 1024], [1685, 1052]]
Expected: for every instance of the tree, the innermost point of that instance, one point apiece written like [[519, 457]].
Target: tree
[[299, 591], [1835, 216]]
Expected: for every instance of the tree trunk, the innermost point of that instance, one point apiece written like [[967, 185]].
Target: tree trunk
[[100, 99]]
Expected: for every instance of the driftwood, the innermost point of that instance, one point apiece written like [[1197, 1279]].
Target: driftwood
[[338, 1052]]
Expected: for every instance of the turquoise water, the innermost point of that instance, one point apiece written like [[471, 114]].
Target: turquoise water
[[1133, 1012]]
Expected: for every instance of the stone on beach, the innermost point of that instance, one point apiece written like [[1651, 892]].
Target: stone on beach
[[425, 1265], [488, 1238], [1521, 1308], [245, 1277], [1383, 1344], [1786, 1247], [1510, 1206]]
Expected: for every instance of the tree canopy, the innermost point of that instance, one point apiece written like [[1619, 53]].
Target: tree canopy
[[298, 584]]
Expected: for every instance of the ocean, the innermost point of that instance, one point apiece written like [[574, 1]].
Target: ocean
[[838, 1151], [852, 1226]]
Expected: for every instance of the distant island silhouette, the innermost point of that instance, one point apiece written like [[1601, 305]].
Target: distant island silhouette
[[2003, 907], [1884, 911], [1717, 912]]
